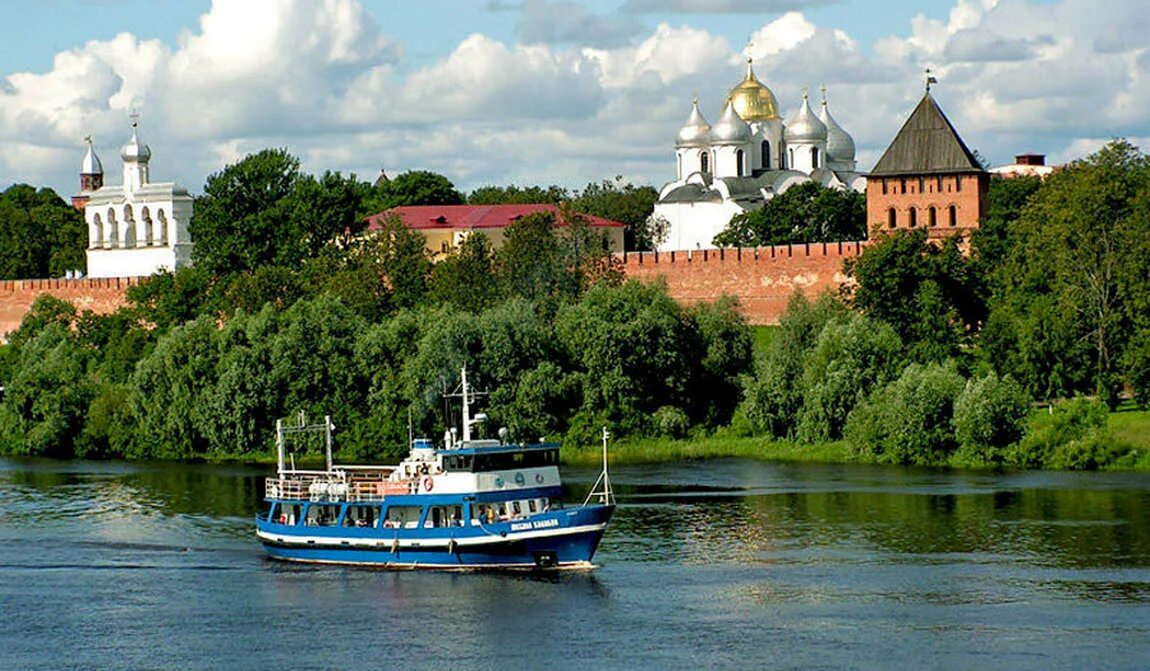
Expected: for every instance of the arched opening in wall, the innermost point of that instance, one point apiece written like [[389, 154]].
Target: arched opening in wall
[[891, 218], [953, 215], [704, 162], [146, 225], [814, 157], [162, 222], [766, 155], [97, 240], [739, 157], [113, 238], [913, 217], [932, 215], [129, 227]]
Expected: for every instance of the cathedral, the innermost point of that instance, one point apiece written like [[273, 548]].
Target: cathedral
[[136, 228], [748, 157]]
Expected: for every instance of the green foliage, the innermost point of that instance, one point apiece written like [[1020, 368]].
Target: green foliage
[[1071, 437], [415, 187], [264, 211], [40, 234], [928, 293], [849, 359], [1074, 289], [807, 212], [910, 421], [514, 195], [989, 415], [774, 394], [466, 277], [671, 422], [47, 397], [166, 299], [623, 202]]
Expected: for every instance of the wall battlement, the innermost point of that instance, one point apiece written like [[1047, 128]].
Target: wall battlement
[[100, 295], [763, 279]]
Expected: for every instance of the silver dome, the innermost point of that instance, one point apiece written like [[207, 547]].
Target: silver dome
[[731, 129], [135, 150], [91, 165], [804, 126], [840, 145], [696, 132]]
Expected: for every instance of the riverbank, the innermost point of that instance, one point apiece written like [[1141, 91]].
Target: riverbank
[[1127, 431]]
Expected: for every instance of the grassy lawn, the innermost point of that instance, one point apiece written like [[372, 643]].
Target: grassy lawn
[[659, 450]]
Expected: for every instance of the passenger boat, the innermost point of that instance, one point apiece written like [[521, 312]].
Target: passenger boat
[[468, 504]]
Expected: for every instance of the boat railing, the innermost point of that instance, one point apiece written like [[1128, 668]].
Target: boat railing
[[360, 485]]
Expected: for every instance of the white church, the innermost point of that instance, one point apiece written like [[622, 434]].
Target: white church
[[136, 228], [748, 157]]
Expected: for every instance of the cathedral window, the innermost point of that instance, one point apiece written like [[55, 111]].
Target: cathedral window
[[791, 157], [766, 155], [814, 157], [704, 162], [739, 163], [913, 217], [891, 218], [953, 216]]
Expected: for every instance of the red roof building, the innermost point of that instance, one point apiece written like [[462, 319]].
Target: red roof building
[[445, 226]]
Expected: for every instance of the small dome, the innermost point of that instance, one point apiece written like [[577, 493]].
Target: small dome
[[696, 132], [135, 150], [731, 129], [753, 100], [91, 165], [804, 126], [840, 145]]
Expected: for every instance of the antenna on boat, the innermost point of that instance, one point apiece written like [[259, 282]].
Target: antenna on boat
[[605, 494], [280, 446], [327, 427]]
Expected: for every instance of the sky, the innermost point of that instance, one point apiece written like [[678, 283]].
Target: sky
[[542, 91]]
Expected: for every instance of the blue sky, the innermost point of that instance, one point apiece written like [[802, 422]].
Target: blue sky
[[541, 91]]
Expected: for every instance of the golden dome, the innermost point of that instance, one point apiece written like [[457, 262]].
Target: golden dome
[[754, 101]]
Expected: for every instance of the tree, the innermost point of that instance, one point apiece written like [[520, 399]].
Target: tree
[[807, 212], [40, 234], [504, 195], [623, 202], [928, 293], [1070, 285], [466, 277], [415, 187], [530, 263]]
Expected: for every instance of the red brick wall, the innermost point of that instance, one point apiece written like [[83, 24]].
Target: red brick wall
[[907, 195], [763, 279], [101, 296]]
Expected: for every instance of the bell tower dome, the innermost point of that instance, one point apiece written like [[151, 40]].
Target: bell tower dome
[[91, 176]]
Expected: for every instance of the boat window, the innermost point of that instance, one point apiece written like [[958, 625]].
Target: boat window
[[516, 509], [287, 513], [506, 461], [360, 516], [444, 516], [321, 515], [532, 506], [405, 517]]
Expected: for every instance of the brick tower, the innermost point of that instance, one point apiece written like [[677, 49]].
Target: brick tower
[[927, 178]]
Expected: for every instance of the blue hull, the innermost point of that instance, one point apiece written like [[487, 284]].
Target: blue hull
[[568, 542]]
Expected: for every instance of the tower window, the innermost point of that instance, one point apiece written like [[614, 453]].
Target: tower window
[[913, 217], [938, 184], [932, 215], [953, 216], [884, 186], [891, 218], [958, 183], [902, 184], [921, 184]]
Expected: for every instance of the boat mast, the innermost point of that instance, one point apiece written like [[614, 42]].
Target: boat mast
[[280, 446], [466, 409], [327, 439]]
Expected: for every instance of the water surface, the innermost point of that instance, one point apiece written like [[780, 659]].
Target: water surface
[[726, 564]]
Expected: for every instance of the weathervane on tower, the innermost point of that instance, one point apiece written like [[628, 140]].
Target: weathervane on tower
[[930, 79]]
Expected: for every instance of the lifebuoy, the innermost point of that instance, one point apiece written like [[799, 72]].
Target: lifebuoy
[[428, 484]]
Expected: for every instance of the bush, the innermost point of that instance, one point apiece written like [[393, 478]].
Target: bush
[[671, 422], [1048, 437], [910, 421], [989, 415]]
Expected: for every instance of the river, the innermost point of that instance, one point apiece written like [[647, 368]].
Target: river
[[728, 564]]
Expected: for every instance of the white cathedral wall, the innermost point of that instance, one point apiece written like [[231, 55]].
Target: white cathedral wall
[[136, 262], [727, 159], [694, 225]]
